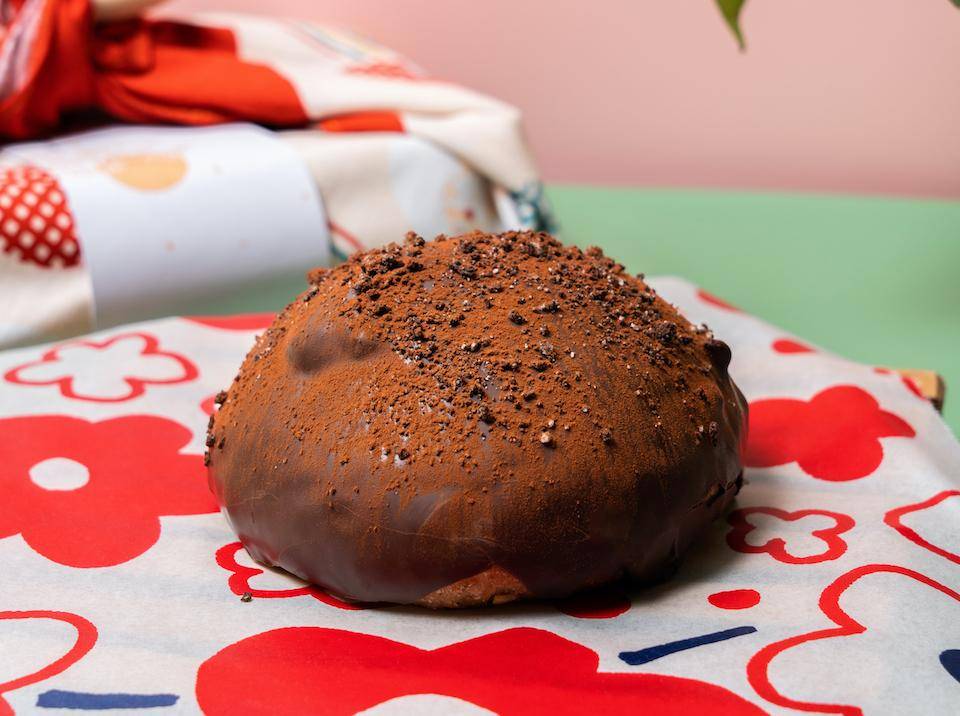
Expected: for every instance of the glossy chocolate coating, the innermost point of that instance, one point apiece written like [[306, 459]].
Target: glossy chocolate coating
[[440, 424]]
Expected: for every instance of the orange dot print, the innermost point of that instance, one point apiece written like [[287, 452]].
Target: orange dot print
[[146, 172]]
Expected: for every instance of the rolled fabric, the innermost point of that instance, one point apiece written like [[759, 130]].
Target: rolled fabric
[[324, 144]]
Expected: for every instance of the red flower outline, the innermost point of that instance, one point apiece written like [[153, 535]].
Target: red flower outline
[[759, 665], [514, 671], [894, 518], [834, 436], [716, 302], [112, 518], [86, 638], [776, 547], [240, 575], [137, 385]]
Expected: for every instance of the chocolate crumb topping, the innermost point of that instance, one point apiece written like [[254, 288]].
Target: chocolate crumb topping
[[379, 439]]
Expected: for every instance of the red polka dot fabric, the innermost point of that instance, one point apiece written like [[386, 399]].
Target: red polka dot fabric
[[35, 221]]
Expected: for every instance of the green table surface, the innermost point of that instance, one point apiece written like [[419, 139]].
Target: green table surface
[[876, 280]]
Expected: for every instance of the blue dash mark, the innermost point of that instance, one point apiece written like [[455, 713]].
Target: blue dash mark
[[643, 656], [57, 699], [950, 659]]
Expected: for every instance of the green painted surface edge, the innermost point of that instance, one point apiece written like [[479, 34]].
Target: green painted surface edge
[[874, 279]]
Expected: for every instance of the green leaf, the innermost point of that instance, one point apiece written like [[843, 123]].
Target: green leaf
[[730, 9]]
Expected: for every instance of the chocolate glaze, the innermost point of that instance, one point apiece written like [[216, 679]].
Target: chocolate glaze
[[474, 420]]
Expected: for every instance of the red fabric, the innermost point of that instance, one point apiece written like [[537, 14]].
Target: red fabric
[[363, 122], [136, 71]]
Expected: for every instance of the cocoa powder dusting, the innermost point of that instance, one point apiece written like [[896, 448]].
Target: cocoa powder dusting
[[454, 364]]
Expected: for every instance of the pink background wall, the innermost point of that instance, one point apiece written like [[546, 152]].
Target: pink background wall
[[833, 95]]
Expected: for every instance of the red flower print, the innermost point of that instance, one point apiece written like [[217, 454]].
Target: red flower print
[[894, 518], [113, 370], [242, 574], [239, 322], [735, 599], [515, 671], [889, 607], [86, 638], [788, 345], [715, 301], [789, 527], [91, 494], [833, 436]]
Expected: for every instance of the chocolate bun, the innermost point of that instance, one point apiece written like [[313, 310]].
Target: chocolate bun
[[474, 420]]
